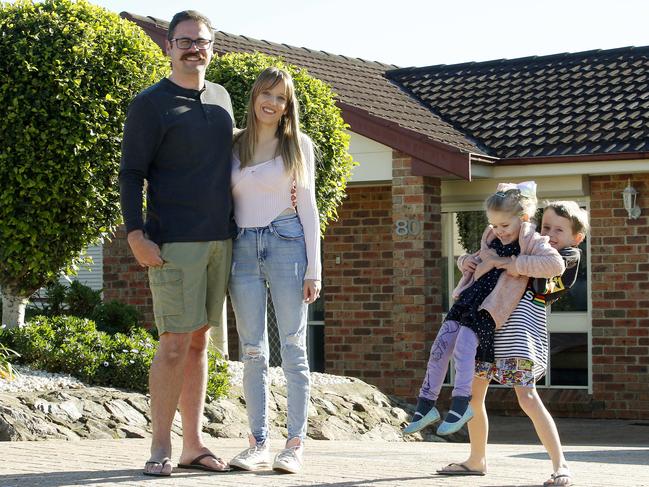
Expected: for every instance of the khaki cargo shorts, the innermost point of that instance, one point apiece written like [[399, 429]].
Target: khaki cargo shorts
[[189, 288]]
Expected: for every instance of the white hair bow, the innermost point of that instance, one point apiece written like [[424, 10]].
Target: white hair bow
[[527, 188]]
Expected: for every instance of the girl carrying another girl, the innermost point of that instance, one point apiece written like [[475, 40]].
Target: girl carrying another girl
[[521, 349]]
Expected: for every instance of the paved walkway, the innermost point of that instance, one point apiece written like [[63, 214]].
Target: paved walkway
[[108, 463], [329, 463]]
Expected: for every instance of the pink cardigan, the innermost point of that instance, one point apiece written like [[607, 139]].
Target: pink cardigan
[[537, 259]]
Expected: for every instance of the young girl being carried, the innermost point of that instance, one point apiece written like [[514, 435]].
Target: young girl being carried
[[492, 284]]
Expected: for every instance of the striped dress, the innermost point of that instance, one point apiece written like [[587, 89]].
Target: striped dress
[[525, 335]]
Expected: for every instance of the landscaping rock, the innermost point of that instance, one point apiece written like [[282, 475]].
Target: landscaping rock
[[341, 408]]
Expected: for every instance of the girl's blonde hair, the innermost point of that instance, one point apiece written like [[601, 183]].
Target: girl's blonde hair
[[513, 202], [288, 129], [569, 209]]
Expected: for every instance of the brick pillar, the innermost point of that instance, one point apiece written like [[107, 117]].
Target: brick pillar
[[124, 280], [416, 236], [620, 293]]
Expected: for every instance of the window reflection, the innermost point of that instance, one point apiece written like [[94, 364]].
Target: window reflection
[[576, 299], [569, 359], [316, 309], [468, 227]]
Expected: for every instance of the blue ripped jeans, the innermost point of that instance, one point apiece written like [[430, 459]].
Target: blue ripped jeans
[[273, 258]]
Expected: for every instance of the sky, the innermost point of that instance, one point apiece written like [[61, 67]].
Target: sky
[[422, 32]]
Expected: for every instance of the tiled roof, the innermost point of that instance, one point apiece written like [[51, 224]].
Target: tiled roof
[[358, 83], [586, 103]]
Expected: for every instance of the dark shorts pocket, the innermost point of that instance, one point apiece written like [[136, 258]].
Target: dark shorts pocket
[[167, 291]]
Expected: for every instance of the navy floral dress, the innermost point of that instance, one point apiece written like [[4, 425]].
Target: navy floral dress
[[465, 310]]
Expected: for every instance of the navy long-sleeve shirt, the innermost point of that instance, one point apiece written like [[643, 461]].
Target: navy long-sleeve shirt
[[180, 141]]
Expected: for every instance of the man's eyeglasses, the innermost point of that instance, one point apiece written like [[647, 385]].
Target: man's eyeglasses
[[186, 43]]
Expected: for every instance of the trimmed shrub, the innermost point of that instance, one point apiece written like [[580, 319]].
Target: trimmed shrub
[[69, 70], [55, 294], [81, 300], [126, 360], [320, 119], [84, 302], [74, 346], [59, 344], [218, 378], [115, 317]]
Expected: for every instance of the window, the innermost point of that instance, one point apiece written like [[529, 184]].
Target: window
[[315, 335], [569, 364]]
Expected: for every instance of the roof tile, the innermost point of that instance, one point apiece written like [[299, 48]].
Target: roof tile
[[572, 101]]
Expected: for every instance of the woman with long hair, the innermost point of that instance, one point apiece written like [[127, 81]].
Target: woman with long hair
[[277, 248]]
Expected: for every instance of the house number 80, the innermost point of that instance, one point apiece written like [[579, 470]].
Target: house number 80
[[407, 227]]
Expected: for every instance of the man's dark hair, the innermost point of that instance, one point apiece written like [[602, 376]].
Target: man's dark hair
[[188, 15]]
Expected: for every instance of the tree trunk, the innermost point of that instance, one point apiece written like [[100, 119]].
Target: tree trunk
[[13, 309]]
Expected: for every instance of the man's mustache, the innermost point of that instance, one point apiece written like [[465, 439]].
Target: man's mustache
[[188, 55]]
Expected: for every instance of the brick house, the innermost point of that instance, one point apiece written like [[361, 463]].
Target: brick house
[[432, 143]]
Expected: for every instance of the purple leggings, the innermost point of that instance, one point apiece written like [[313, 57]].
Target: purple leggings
[[462, 343]]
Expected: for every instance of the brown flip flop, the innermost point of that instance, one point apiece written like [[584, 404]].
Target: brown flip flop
[[196, 464]]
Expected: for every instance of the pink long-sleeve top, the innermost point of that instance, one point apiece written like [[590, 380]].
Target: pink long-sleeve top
[[537, 259], [263, 191]]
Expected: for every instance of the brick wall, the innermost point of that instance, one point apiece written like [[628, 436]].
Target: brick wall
[[620, 293], [357, 271], [383, 300], [124, 279]]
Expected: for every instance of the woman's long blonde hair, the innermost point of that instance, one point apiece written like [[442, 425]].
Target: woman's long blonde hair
[[288, 130]]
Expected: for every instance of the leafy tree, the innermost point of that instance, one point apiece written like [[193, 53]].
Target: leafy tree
[[471, 225], [320, 119], [67, 73]]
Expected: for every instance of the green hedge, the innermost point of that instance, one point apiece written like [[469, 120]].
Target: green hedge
[[69, 70], [74, 346], [320, 119]]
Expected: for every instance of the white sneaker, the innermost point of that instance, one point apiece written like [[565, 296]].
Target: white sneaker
[[289, 460], [256, 457]]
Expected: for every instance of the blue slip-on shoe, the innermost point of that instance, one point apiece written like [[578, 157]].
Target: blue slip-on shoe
[[448, 428], [431, 417]]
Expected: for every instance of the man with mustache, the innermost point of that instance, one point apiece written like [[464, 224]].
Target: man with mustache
[[178, 137]]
